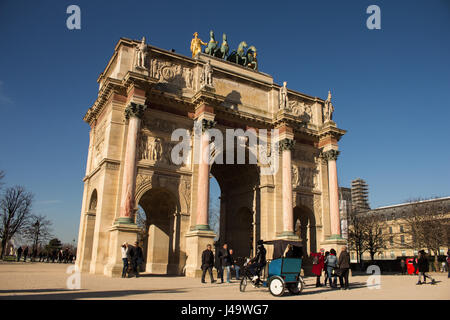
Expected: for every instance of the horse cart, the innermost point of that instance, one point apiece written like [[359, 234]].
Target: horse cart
[[281, 272]]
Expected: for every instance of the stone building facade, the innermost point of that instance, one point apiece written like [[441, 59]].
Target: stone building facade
[[141, 100]]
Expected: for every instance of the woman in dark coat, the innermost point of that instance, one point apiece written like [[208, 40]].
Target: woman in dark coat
[[423, 268]]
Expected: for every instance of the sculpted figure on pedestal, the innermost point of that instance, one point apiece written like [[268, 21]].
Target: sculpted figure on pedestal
[[328, 108], [207, 74], [284, 102], [141, 54]]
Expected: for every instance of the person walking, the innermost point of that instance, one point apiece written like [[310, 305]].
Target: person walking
[[318, 263], [224, 256], [448, 263], [25, 254], [137, 258], [124, 251], [344, 268], [424, 268], [19, 253], [415, 264], [218, 263], [234, 264], [207, 263], [325, 269], [331, 263], [403, 266]]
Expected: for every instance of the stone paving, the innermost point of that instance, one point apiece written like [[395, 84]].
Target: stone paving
[[48, 281]]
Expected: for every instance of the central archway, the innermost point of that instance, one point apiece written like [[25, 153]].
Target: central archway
[[239, 206], [161, 231]]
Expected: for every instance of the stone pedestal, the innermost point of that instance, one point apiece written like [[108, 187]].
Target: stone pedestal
[[118, 234], [196, 242]]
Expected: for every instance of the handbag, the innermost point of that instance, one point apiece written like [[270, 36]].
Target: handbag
[[338, 271]]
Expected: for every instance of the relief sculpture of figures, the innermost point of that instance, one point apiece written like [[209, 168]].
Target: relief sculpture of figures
[[284, 102], [157, 150], [328, 108], [189, 77], [141, 54], [295, 176], [196, 45]]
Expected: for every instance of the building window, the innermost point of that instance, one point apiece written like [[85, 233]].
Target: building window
[[403, 253], [401, 229], [381, 255], [402, 239], [391, 241], [390, 229], [441, 252], [392, 255], [353, 256], [416, 252]]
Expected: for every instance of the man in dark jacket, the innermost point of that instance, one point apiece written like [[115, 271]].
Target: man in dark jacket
[[258, 262], [225, 260], [218, 263], [19, 253], [207, 263], [25, 254], [137, 258], [422, 263], [344, 268]]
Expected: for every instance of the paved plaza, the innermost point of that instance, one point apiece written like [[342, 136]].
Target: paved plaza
[[48, 281]]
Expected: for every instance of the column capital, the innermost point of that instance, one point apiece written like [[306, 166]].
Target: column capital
[[208, 124], [286, 144], [330, 154], [134, 110]]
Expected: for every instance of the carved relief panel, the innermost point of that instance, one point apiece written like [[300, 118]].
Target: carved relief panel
[[99, 142], [175, 74]]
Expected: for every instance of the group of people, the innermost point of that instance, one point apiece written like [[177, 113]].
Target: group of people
[[132, 258], [224, 260], [60, 256], [333, 267]]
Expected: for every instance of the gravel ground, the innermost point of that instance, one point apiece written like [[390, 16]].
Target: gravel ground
[[49, 281]]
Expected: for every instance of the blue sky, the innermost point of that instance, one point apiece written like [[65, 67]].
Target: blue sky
[[390, 86]]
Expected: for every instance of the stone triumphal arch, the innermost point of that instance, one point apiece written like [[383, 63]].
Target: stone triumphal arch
[[145, 93]]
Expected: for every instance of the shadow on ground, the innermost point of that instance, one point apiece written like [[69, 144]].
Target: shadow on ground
[[71, 294]]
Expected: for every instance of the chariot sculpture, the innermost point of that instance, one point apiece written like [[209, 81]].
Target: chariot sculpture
[[242, 56]]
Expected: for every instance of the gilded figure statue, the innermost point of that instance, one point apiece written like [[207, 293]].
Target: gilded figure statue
[[196, 45]]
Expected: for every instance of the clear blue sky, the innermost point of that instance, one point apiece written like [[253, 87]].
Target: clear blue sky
[[390, 86]]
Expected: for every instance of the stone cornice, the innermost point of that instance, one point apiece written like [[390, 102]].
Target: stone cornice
[[102, 163], [330, 129], [106, 90]]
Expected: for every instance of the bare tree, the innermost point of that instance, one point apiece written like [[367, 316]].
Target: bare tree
[[15, 206], [428, 225], [375, 239], [2, 175], [38, 230], [356, 236]]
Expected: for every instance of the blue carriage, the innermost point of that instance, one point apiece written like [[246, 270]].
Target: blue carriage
[[280, 273]]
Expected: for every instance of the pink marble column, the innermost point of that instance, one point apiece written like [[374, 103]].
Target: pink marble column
[[203, 184], [133, 113], [335, 220], [288, 213]]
